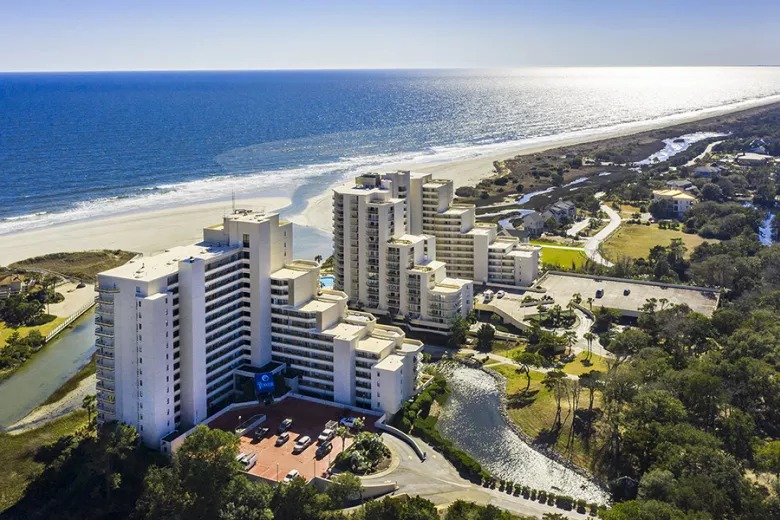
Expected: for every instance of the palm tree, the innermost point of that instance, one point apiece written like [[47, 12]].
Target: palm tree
[[358, 424], [590, 303], [318, 259], [342, 432], [589, 337], [571, 338], [576, 298], [89, 404]]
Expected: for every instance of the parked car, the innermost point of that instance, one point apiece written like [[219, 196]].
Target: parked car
[[292, 475], [599, 293], [349, 422], [500, 294], [260, 434], [626, 292], [284, 425], [324, 449], [326, 435], [283, 437], [302, 444], [250, 461]]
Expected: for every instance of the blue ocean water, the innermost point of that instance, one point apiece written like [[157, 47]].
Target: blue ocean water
[[83, 145]]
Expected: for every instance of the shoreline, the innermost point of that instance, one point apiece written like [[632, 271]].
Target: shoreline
[[143, 232], [467, 172], [153, 231]]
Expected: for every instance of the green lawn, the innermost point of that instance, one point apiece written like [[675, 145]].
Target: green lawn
[[580, 366], [17, 454], [534, 412], [635, 241], [563, 257], [23, 331]]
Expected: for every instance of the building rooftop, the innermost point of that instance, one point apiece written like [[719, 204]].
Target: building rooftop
[[374, 344], [674, 194], [410, 346], [344, 330], [153, 267], [246, 215], [391, 363], [426, 267], [316, 305]]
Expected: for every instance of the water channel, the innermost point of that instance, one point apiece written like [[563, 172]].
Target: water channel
[[472, 420], [47, 370]]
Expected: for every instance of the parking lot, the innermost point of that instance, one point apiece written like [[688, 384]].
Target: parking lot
[[309, 419]]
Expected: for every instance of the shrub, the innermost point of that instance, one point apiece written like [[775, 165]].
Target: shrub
[[581, 505], [564, 502], [542, 497], [594, 508], [551, 499], [533, 494]]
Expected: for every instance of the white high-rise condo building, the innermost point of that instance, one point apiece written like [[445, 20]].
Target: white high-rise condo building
[[180, 333], [391, 229], [385, 268]]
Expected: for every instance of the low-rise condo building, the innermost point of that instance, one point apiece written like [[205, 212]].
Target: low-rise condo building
[[337, 352], [674, 202], [178, 333]]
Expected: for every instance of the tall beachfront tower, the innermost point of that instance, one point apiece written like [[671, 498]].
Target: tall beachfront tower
[[172, 328], [183, 332], [383, 267]]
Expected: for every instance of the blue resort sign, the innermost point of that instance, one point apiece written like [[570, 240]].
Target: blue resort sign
[[264, 383]]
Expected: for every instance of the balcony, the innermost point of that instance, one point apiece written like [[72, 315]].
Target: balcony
[[113, 289], [104, 332]]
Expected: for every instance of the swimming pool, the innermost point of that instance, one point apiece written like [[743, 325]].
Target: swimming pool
[[326, 281]]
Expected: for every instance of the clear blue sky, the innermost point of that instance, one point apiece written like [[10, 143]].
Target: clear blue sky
[[43, 35]]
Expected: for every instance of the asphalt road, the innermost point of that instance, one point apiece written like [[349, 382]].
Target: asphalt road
[[438, 481], [592, 244]]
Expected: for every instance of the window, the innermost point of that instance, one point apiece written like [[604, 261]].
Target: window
[[246, 240]]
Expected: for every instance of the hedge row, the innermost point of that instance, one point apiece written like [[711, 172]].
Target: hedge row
[[543, 497]]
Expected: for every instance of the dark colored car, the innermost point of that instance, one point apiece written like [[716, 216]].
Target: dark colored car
[[260, 434], [323, 449], [284, 426]]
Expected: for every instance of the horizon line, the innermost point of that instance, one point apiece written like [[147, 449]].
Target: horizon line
[[368, 69]]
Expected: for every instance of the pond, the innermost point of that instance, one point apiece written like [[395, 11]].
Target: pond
[[472, 420], [47, 370]]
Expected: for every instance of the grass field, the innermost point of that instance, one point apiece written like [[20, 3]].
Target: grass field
[[17, 455], [635, 241], [23, 331], [579, 366], [563, 257], [534, 412], [83, 265]]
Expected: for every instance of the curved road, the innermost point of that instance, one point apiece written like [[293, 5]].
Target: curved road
[[593, 243], [438, 481]]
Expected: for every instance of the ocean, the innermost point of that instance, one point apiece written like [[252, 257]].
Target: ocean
[[79, 146]]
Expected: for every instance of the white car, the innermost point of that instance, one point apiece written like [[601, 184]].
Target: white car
[[500, 294], [292, 475], [325, 436], [302, 444]]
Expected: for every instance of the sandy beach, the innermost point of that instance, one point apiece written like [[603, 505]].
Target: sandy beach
[[153, 231], [146, 233], [467, 172]]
